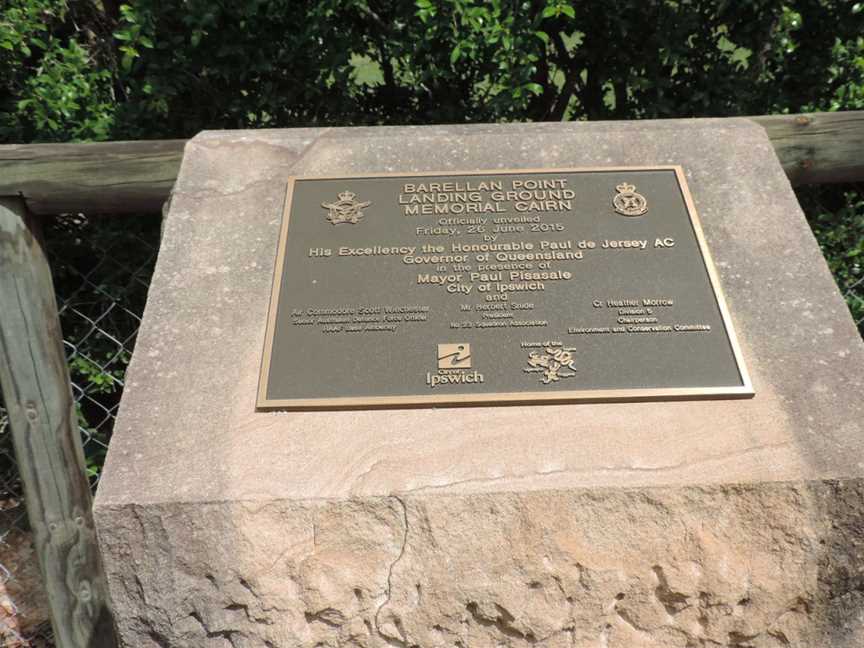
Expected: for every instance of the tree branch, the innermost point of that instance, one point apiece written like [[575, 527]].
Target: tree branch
[[567, 64]]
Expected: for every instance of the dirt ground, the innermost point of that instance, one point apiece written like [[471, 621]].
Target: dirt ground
[[23, 606]]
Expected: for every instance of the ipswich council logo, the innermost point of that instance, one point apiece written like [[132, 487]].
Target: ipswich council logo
[[346, 209], [453, 360]]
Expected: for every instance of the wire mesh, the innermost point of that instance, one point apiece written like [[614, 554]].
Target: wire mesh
[[101, 269], [101, 274]]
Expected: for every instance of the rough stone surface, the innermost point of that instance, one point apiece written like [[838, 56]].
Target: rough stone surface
[[577, 525], [761, 566]]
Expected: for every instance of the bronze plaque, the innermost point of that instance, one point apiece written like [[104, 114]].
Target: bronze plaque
[[550, 285]]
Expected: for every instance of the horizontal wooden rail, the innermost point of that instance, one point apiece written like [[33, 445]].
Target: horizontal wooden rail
[[100, 178], [136, 177], [818, 148]]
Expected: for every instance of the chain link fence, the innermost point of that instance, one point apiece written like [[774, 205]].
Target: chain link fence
[[102, 268]]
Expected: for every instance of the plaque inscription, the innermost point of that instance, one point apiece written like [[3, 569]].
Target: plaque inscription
[[551, 285]]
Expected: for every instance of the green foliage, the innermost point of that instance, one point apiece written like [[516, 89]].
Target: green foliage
[[276, 63], [52, 73], [846, 76], [837, 219], [94, 70], [64, 101]]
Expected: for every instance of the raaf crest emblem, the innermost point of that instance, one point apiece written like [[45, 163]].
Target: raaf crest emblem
[[346, 209]]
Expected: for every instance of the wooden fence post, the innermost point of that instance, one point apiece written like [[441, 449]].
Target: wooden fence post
[[36, 389]]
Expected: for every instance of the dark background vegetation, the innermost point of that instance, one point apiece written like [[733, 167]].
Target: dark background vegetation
[[99, 70]]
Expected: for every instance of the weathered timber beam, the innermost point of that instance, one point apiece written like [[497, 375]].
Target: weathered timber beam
[[818, 148], [136, 177], [38, 397], [99, 178]]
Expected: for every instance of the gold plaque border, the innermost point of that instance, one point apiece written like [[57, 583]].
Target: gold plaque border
[[745, 390]]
